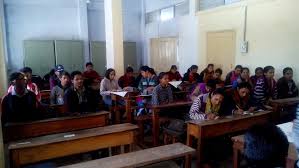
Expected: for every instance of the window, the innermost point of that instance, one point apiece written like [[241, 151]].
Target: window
[[167, 14], [152, 17], [182, 9]]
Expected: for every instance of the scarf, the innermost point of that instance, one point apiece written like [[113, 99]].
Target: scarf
[[210, 108]]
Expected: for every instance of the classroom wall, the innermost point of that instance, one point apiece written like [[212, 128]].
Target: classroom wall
[[272, 32]]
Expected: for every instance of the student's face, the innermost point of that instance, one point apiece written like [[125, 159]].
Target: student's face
[[89, 68], [78, 81], [208, 88], [144, 74], [20, 83], [270, 74], [211, 68], [238, 71], [64, 80], [245, 74], [217, 99], [112, 75], [243, 92], [259, 73], [57, 73], [217, 75], [173, 70], [288, 75], [129, 74], [28, 76], [164, 81], [194, 70]]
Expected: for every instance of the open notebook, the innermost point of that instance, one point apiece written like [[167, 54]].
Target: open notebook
[[175, 83]]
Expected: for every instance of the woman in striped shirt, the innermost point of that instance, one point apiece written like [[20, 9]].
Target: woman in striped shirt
[[207, 106]]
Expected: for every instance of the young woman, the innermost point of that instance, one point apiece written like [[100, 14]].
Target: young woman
[[207, 106], [207, 73], [162, 93], [238, 100], [174, 74], [57, 93], [286, 86], [244, 77], [258, 74], [265, 88], [148, 81], [203, 88], [233, 75], [191, 75], [127, 80], [218, 79], [108, 85]]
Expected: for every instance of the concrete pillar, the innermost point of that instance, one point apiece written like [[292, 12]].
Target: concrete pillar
[[114, 35], [83, 27]]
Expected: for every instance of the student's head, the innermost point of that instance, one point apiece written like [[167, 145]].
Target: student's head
[[27, 72], [64, 78], [129, 71], [217, 97], [110, 74], [210, 68], [173, 68], [259, 72], [238, 69], [144, 71], [77, 79], [17, 79], [269, 72], [244, 89], [89, 66], [151, 72], [93, 84], [218, 73], [211, 85], [288, 73], [163, 79], [245, 73], [58, 70], [265, 146], [193, 69]]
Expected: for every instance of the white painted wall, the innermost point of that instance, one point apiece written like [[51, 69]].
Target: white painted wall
[[272, 32]]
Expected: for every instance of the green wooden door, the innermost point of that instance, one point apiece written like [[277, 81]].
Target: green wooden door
[[39, 55], [98, 56], [70, 54], [130, 58]]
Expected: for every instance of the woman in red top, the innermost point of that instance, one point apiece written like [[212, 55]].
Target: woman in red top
[[173, 74], [207, 73]]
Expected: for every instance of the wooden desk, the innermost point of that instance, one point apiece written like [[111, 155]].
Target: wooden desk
[[280, 103], [224, 125], [155, 117], [139, 158], [64, 144], [15, 131], [239, 147]]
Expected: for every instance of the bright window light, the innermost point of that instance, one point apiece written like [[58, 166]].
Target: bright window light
[[167, 13]]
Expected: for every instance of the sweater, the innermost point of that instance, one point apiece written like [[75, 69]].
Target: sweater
[[162, 95]]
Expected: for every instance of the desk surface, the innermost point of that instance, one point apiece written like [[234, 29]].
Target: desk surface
[[226, 119], [170, 105], [54, 138], [139, 158], [293, 100]]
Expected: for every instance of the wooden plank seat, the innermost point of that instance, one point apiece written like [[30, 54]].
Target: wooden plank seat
[[65, 144], [138, 158], [15, 131]]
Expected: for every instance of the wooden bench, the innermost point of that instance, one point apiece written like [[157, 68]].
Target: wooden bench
[[64, 144], [15, 131], [202, 130], [138, 158], [279, 104], [239, 147]]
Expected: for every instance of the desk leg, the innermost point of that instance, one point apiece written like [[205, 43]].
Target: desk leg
[[199, 151], [188, 158], [117, 116], [128, 110], [236, 158], [156, 127], [15, 159]]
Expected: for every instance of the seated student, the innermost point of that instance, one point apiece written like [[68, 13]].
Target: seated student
[[148, 81], [30, 85], [162, 93], [286, 86], [54, 79], [174, 74], [90, 73], [128, 79], [203, 88], [76, 97], [93, 89], [265, 88], [207, 106], [266, 146], [57, 93], [138, 78], [218, 79], [109, 84], [238, 100], [296, 130], [20, 104], [233, 75], [244, 77], [191, 75], [207, 73], [258, 74]]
